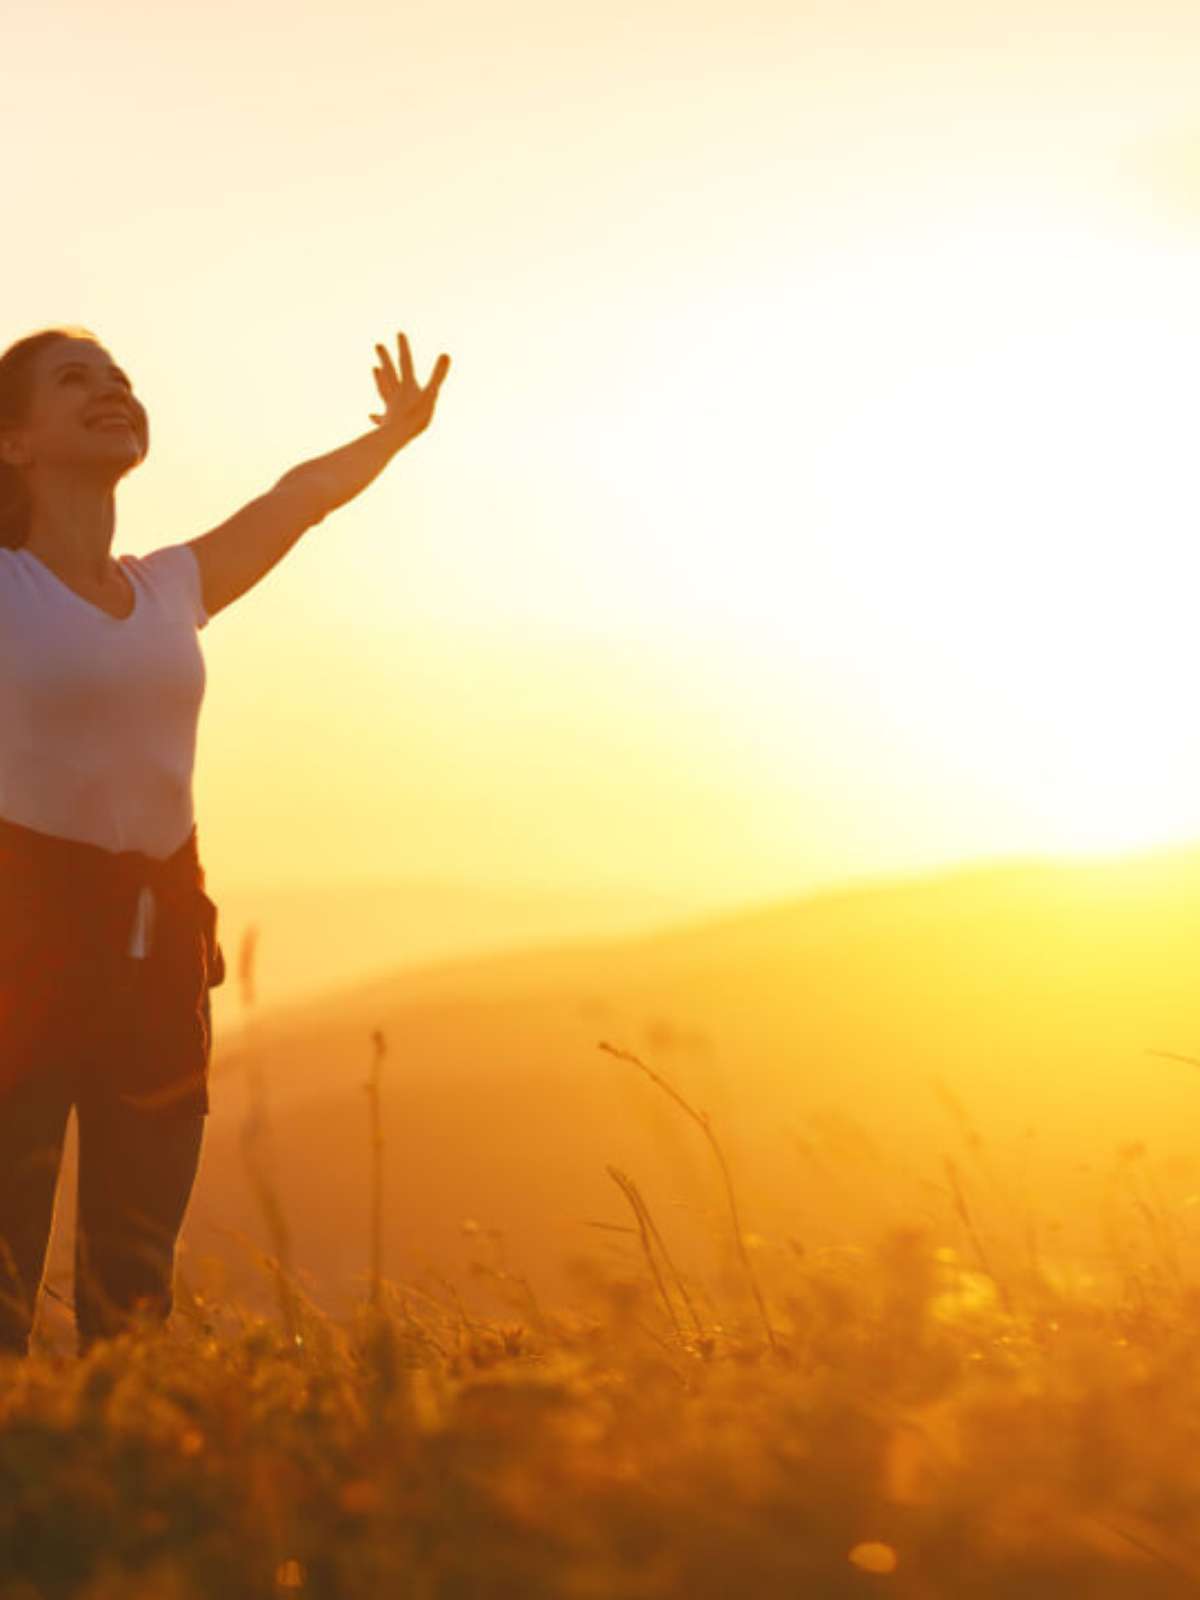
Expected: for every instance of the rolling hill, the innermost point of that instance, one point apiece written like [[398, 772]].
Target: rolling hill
[[969, 1051]]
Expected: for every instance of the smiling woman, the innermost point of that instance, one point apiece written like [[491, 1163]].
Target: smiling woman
[[44, 377], [108, 946]]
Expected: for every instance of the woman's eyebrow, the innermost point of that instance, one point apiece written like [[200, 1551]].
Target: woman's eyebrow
[[66, 366]]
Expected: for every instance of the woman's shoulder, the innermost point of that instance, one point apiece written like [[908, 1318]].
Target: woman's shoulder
[[172, 572], [14, 569]]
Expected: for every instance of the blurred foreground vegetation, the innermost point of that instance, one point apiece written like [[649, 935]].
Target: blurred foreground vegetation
[[887, 1418]]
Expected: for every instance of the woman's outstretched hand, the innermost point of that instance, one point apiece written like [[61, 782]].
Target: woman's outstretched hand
[[408, 407]]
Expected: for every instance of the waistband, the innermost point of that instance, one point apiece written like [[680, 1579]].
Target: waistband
[[89, 868]]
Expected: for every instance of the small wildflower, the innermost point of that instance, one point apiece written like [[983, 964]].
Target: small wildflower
[[873, 1557]]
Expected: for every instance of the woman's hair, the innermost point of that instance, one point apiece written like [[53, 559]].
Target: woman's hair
[[16, 392]]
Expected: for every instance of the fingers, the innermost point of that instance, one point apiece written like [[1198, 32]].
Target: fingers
[[406, 361], [386, 372], [404, 386]]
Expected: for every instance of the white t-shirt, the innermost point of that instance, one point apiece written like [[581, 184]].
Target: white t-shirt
[[99, 715]]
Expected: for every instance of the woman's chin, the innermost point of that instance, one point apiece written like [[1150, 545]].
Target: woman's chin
[[107, 465]]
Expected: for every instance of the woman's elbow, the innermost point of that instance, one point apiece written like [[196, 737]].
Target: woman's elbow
[[306, 493]]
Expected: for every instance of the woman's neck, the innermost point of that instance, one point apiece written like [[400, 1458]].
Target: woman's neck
[[71, 528]]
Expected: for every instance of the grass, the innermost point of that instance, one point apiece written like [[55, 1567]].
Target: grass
[[901, 1429], [903, 1415]]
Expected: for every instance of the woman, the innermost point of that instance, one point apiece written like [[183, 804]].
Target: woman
[[108, 943]]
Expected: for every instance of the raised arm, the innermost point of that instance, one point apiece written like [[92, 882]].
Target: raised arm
[[240, 551]]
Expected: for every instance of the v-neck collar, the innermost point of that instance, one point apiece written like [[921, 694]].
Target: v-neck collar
[[82, 599]]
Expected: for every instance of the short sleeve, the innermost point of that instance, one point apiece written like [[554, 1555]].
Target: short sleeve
[[176, 568]]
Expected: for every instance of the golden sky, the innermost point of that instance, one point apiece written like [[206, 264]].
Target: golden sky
[[813, 493]]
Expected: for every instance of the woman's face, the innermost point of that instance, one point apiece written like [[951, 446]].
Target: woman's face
[[82, 416]]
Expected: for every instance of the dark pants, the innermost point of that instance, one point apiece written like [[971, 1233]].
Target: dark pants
[[136, 1171]]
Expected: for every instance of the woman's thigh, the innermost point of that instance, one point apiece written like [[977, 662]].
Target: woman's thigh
[[33, 1121], [141, 1106]]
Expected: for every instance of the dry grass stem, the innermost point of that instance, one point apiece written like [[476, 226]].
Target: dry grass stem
[[255, 1141], [702, 1121], [629, 1189], [372, 1087]]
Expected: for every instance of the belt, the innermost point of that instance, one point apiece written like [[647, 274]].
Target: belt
[[110, 887], [65, 914]]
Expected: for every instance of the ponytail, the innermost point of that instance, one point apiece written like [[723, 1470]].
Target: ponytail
[[16, 390]]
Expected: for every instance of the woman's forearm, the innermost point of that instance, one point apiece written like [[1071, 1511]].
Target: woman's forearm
[[236, 555], [319, 486], [329, 481]]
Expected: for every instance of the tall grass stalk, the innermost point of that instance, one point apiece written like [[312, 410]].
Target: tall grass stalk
[[254, 1142], [648, 1229], [701, 1118], [372, 1088], [629, 1189], [968, 1222], [501, 1273]]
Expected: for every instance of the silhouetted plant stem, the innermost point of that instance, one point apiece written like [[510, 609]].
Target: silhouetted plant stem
[[701, 1118], [254, 1133], [968, 1222], [372, 1087], [648, 1227], [629, 1190]]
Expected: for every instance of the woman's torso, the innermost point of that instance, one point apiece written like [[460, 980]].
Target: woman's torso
[[99, 713]]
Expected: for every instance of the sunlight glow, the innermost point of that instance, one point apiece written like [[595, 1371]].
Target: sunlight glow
[[977, 486]]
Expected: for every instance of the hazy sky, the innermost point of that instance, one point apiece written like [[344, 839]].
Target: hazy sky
[[813, 492]]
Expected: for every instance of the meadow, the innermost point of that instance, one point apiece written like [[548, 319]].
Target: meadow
[[918, 1373]]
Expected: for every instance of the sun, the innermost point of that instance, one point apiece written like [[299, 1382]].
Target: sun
[[998, 514], [1030, 511]]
